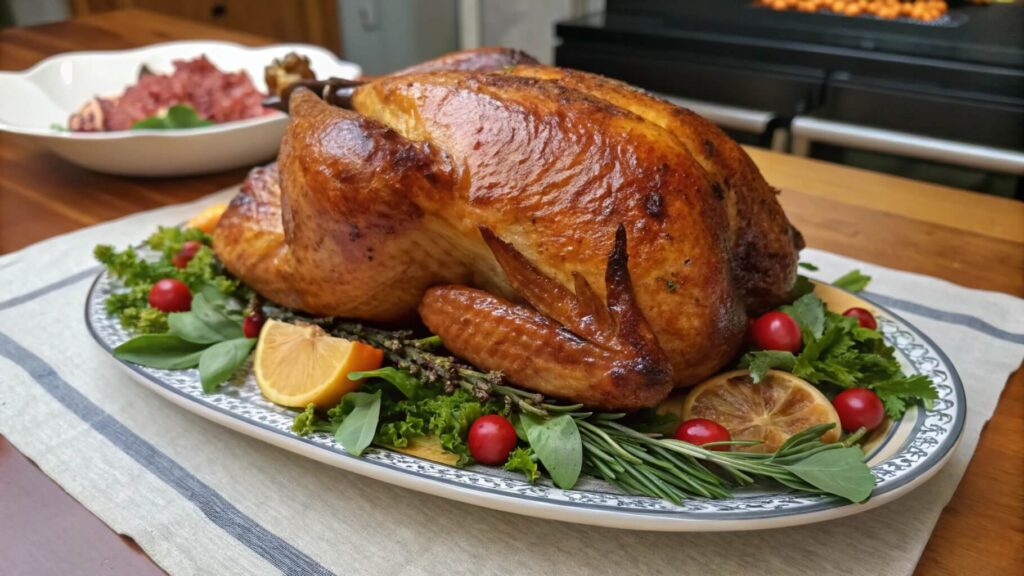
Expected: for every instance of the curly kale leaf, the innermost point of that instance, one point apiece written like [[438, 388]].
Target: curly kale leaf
[[525, 461], [430, 412], [308, 422], [138, 274]]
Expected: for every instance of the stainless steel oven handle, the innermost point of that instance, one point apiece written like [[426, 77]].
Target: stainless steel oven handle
[[732, 117], [806, 130]]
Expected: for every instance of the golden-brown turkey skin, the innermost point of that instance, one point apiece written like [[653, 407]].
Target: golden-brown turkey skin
[[553, 171], [571, 344], [764, 244], [354, 245], [250, 236], [383, 202]]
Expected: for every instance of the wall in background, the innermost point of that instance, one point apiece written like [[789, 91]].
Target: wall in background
[[29, 12], [385, 35], [529, 25]]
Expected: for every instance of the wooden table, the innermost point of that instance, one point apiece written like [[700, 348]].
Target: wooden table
[[973, 240]]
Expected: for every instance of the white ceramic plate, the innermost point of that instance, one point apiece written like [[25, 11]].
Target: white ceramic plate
[[33, 100], [901, 458]]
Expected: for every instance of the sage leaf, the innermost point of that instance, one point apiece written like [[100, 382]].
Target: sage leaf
[[359, 426], [188, 326], [517, 423], [218, 362], [165, 351], [406, 383], [841, 472], [215, 318], [558, 446]]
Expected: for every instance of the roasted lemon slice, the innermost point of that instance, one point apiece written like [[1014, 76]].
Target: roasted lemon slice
[[770, 411], [207, 219], [300, 364]]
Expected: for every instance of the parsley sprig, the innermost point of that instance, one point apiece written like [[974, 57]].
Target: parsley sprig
[[839, 354]]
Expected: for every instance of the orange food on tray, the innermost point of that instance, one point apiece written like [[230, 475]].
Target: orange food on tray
[[923, 10]]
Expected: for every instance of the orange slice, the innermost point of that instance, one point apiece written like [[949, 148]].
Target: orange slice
[[770, 411], [301, 364], [207, 219]]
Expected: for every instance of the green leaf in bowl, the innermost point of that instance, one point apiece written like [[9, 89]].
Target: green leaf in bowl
[[176, 117]]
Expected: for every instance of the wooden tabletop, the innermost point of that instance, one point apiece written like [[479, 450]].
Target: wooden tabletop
[[973, 240]]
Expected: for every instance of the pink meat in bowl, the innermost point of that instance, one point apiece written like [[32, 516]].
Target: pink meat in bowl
[[215, 95]]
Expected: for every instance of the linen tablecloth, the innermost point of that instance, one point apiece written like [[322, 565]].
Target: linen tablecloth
[[201, 499]]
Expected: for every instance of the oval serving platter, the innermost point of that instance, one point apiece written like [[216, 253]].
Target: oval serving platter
[[902, 457]]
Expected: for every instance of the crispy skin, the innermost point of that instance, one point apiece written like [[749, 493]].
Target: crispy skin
[[554, 171], [567, 345], [347, 241], [250, 236], [763, 243], [381, 203]]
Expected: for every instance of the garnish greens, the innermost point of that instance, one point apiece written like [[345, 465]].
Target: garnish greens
[[138, 273], [407, 409], [177, 116], [523, 460], [424, 393], [208, 337], [839, 354], [853, 281], [427, 393]]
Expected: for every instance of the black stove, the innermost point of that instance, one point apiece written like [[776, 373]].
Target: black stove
[[960, 78]]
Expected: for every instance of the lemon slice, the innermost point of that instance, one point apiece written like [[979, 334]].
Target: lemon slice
[[300, 364], [770, 411], [207, 219]]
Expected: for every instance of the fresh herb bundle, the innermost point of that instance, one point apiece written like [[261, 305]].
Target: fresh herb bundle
[[839, 354], [424, 392], [138, 272], [209, 337], [406, 409], [568, 441]]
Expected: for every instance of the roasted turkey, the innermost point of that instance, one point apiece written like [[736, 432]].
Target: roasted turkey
[[590, 241]]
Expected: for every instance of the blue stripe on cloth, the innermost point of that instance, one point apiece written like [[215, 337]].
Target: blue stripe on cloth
[[957, 318], [29, 296], [218, 509]]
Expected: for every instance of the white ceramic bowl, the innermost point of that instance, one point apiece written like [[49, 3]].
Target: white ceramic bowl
[[33, 100]]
